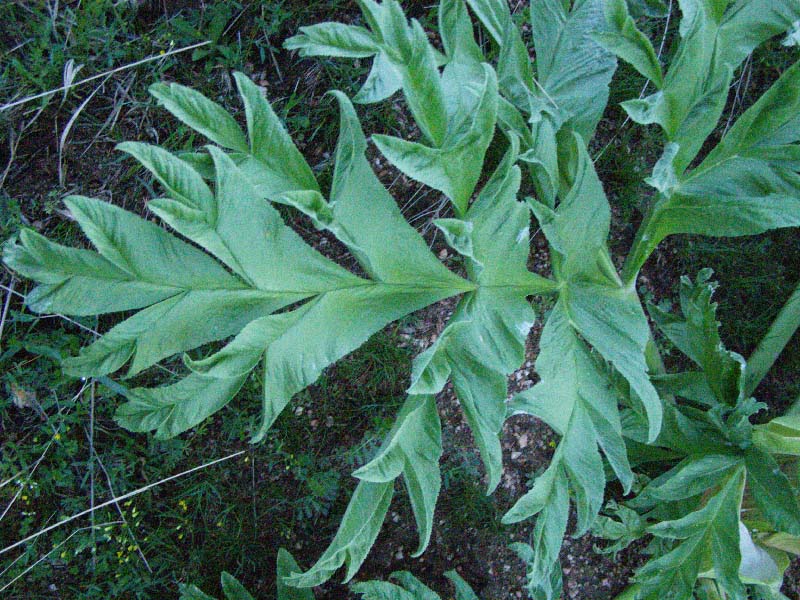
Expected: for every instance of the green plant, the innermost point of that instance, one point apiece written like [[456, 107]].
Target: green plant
[[233, 590], [604, 388], [410, 587], [727, 476]]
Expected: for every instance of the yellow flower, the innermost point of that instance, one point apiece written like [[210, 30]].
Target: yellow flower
[[182, 504], [57, 437]]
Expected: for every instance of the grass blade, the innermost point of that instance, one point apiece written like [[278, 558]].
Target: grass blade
[[773, 343]]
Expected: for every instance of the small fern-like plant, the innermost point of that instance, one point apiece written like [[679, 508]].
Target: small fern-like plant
[[722, 511]]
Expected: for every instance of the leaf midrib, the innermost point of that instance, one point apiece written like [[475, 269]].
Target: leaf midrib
[[308, 292]]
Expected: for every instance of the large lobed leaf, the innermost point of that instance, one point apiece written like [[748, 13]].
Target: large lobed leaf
[[482, 344], [716, 36], [749, 182], [576, 399], [485, 339], [577, 395], [189, 298], [708, 536], [603, 311]]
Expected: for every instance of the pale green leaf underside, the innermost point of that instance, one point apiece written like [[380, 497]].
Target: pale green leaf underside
[[285, 567], [338, 322], [333, 39], [357, 532], [626, 41], [413, 449], [608, 315], [576, 399], [572, 68], [189, 299], [240, 292], [382, 82], [454, 168]]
